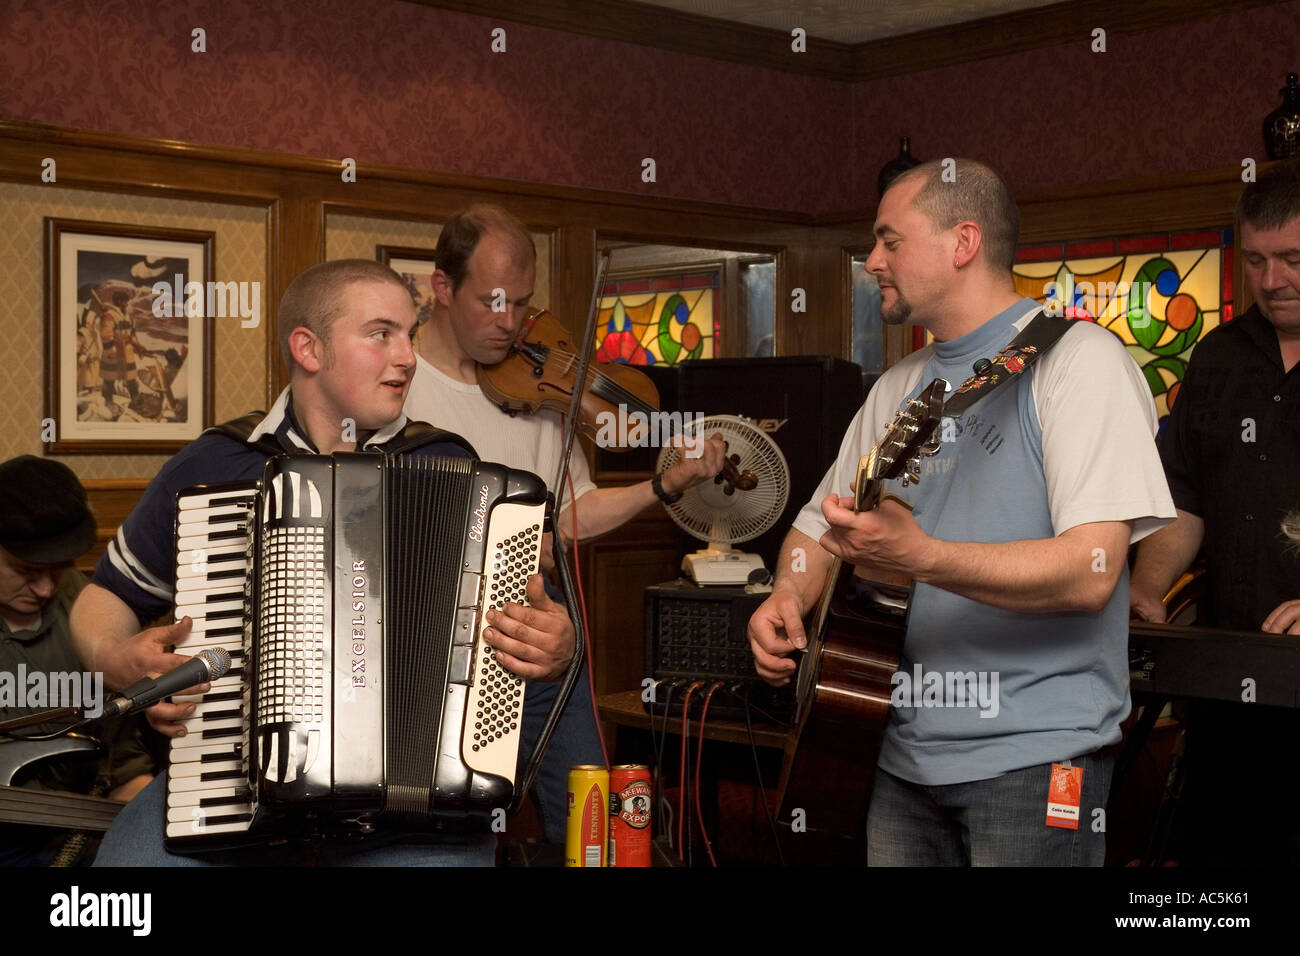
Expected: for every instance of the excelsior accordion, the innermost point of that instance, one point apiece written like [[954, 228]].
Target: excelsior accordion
[[351, 592]]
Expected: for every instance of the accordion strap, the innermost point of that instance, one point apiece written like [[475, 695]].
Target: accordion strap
[[240, 428], [413, 435], [416, 434]]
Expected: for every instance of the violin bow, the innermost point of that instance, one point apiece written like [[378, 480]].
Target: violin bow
[[580, 382]]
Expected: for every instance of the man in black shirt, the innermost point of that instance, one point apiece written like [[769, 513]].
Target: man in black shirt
[[46, 524], [1232, 456]]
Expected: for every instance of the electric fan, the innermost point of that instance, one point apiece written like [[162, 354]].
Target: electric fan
[[739, 504]]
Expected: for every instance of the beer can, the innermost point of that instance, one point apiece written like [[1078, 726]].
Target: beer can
[[588, 825], [630, 800]]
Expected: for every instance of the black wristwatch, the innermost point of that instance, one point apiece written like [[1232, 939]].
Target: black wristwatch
[[656, 483]]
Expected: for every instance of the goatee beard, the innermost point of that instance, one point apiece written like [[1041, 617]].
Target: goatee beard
[[898, 313]]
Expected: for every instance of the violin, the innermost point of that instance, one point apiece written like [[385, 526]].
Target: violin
[[540, 371]]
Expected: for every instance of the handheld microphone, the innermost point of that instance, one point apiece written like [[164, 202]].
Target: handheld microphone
[[206, 666]]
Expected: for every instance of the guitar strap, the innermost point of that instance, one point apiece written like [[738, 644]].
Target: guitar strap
[[1042, 332]]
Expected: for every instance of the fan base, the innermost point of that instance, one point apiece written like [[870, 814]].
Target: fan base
[[721, 567]]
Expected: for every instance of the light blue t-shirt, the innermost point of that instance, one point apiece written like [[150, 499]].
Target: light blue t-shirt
[[982, 690]]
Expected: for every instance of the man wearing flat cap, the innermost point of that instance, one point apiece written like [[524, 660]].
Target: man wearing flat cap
[[44, 526]]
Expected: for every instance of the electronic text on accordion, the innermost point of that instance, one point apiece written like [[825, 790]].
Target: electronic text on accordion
[[352, 591]]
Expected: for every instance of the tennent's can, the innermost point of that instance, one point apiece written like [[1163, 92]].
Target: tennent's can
[[587, 831], [630, 798]]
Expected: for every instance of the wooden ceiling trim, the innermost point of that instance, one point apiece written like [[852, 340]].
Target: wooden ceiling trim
[[625, 21]]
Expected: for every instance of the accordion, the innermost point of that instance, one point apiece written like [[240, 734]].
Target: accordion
[[351, 591]]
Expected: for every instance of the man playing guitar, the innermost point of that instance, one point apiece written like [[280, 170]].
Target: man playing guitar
[[1016, 544]]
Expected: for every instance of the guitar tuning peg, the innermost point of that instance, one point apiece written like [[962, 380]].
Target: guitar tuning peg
[[912, 474]]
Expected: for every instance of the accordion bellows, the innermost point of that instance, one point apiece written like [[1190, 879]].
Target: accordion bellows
[[351, 590]]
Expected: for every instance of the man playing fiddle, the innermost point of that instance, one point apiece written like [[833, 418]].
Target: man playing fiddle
[[482, 287]]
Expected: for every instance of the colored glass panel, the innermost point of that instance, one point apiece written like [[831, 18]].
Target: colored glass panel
[[663, 321], [1159, 296]]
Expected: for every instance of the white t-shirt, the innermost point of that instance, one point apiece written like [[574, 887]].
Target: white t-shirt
[[1098, 423], [1071, 442], [530, 442]]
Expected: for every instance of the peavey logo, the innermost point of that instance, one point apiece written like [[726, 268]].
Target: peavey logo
[[75, 908], [480, 515]]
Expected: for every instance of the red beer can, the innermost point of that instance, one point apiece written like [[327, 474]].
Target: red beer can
[[630, 801], [587, 834]]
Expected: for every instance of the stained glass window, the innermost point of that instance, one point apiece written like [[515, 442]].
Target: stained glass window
[[1160, 294], [658, 320]]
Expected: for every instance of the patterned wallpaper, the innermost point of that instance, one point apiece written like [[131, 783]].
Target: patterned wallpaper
[[406, 85], [418, 87], [1192, 96], [355, 237], [239, 355]]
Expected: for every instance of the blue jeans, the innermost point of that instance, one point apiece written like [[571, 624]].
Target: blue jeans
[[575, 742], [995, 822]]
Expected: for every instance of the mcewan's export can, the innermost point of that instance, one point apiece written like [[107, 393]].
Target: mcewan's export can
[[630, 799], [587, 831]]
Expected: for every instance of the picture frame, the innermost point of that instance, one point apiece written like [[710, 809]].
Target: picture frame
[[128, 367], [415, 266]]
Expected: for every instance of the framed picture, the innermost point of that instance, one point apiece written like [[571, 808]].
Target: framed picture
[[128, 342], [415, 266]]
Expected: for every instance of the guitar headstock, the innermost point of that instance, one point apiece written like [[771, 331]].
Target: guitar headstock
[[912, 435]]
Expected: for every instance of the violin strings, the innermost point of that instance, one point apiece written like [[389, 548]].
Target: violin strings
[[608, 388]]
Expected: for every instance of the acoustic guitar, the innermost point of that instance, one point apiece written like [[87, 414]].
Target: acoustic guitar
[[855, 642]]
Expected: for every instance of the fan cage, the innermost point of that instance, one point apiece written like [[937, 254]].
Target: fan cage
[[703, 512]]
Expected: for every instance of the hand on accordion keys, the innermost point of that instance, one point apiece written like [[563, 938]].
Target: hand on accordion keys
[[536, 642], [146, 654]]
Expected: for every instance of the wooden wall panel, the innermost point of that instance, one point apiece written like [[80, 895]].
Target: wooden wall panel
[[298, 193], [110, 500], [616, 570], [811, 255]]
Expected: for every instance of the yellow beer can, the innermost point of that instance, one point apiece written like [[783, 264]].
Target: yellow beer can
[[587, 829]]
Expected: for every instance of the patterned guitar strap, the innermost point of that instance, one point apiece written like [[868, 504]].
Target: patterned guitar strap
[[1042, 332]]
